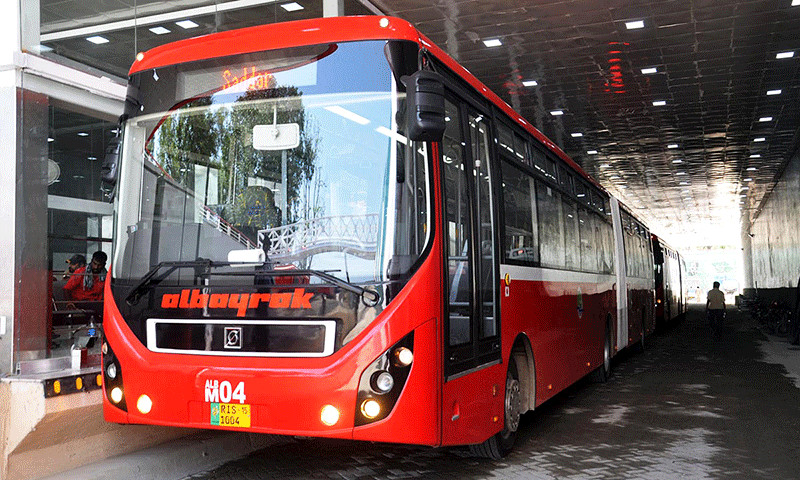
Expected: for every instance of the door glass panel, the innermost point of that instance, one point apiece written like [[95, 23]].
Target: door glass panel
[[479, 135], [457, 217]]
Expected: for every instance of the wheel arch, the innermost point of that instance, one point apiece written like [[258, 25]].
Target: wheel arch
[[522, 354]]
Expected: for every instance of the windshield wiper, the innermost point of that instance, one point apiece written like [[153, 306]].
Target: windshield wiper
[[203, 267], [370, 296], [149, 280]]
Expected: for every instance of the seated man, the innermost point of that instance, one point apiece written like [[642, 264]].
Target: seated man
[[86, 283]]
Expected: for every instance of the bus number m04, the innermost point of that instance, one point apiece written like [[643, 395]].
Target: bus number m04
[[224, 392]]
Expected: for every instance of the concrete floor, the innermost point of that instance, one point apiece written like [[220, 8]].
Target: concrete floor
[[689, 407]]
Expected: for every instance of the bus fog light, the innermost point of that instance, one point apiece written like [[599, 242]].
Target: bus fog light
[[382, 382], [370, 408], [144, 404], [329, 415], [111, 371], [403, 356], [116, 394]]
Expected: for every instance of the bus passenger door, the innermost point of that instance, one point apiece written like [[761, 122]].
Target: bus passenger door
[[472, 330]]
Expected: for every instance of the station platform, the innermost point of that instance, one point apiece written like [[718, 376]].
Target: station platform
[[197, 454]]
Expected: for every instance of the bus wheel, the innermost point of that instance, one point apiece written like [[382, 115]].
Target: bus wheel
[[601, 374], [640, 344], [500, 444]]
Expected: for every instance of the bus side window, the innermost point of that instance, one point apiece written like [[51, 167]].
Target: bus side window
[[551, 228], [571, 235], [586, 228], [519, 233]]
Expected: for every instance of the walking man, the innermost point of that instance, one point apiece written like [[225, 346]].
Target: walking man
[[715, 309]]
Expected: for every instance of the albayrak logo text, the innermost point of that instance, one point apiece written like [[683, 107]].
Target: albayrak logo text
[[240, 302]]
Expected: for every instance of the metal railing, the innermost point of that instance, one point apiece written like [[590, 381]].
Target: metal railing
[[356, 234], [221, 225]]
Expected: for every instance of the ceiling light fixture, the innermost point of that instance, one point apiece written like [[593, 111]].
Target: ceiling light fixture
[[659, 103], [159, 30], [677, 160], [494, 42], [755, 155], [292, 7], [576, 135], [557, 112], [795, 3], [773, 92], [751, 169], [784, 55], [648, 71], [765, 119], [760, 139], [592, 152], [672, 145], [186, 24], [634, 25], [97, 39], [529, 83], [747, 179]]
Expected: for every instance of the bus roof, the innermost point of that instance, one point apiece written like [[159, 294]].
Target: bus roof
[[325, 30]]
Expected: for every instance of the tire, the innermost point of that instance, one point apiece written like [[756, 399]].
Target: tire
[[603, 372], [640, 346], [500, 444]]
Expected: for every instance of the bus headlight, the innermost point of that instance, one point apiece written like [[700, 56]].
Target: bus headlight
[[382, 382], [144, 404], [112, 383], [403, 356], [385, 378], [329, 415], [116, 395], [370, 408]]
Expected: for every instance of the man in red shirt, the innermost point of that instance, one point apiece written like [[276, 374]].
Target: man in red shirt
[[86, 283]]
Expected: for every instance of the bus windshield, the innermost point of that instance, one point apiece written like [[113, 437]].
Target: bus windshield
[[295, 152]]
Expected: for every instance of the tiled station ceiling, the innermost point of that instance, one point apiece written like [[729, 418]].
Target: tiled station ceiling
[[686, 110]]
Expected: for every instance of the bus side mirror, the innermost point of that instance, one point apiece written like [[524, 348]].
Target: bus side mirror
[[108, 172], [424, 106]]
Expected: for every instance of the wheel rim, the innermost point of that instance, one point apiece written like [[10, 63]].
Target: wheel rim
[[513, 402], [607, 355]]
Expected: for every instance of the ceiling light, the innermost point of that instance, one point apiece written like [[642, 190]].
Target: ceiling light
[[795, 3], [634, 25], [592, 152], [51, 139], [186, 24], [677, 160], [159, 30], [605, 165], [494, 42], [765, 119], [672, 145], [747, 179], [761, 139], [557, 112], [773, 92], [785, 55], [529, 83], [292, 7], [681, 173], [83, 134], [751, 169], [755, 155], [576, 135], [650, 70], [97, 39], [659, 103]]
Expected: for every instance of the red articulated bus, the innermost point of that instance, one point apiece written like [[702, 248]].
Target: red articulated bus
[[670, 270], [329, 228]]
